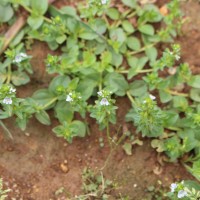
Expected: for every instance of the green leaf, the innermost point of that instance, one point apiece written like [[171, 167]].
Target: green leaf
[[64, 112], [59, 81], [117, 59], [132, 62], [133, 43], [127, 26], [165, 96], [6, 13], [86, 35], [116, 83], [194, 81], [130, 3], [127, 148], [113, 13], [146, 29], [180, 102], [151, 53], [35, 21], [43, 117], [69, 10], [117, 34], [39, 6], [195, 94], [171, 118], [3, 77], [86, 88], [138, 88], [136, 65], [79, 128], [195, 169], [19, 78], [43, 97], [99, 26], [189, 140], [61, 39], [17, 38]]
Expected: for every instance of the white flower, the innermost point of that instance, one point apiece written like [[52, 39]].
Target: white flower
[[181, 194], [103, 2], [152, 97], [7, 100], [104, 102], [100, 93], [173, 187], [12, 90], [69, 98], [20, 57]]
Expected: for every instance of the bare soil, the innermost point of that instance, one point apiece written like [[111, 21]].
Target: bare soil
[[35, 164]]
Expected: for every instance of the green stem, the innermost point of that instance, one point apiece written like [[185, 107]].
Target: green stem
[[174, 128], [108, 133], [176, 93], [9, 74], [49, 103], [139, 71], [121, 139], [132, 14], [130, 97], [142, 49], [31, 11], [6, 129]]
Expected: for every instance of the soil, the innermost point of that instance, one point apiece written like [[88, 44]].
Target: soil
[[36, 164]]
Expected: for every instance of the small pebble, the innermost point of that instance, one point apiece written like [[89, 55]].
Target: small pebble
[[64, 168]]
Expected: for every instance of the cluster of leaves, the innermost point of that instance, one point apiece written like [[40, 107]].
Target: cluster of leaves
[[185, 190], [95, 186]]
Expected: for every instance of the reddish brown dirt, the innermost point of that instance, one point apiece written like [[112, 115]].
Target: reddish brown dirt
[[31, 163]]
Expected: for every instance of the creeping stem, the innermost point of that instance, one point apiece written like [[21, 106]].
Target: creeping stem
[[130, 97], [49, 103], [176, 93], [9, 74]]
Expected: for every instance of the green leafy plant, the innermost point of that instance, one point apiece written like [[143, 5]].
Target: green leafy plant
[[186, 190]]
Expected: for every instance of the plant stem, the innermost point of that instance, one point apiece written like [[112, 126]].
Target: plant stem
[[174, 128], [142, 49], [108, 133], [176, 93], [49, 103], [132, 14], [6, 129], [139, 71], [30, 11], [130, 97], [9, 74]]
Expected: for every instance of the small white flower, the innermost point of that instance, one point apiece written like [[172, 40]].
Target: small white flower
[[181, 194], [100, 93], [7, 100], [103, 2], [20, 57], [173, 187], [12, 90], [104, 102], [69, 98], [152, 97]]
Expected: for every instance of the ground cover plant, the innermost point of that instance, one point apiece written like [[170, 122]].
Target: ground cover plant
[[104, 54]]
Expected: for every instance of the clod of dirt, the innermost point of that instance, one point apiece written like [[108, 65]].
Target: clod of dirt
[[64, 167]]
